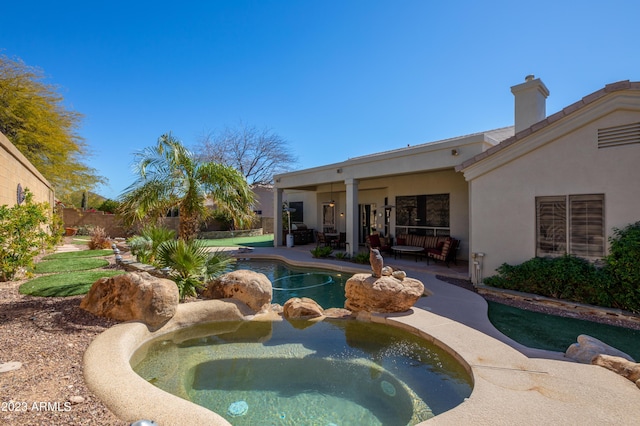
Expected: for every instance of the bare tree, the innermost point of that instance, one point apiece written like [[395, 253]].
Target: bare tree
[[257, 153]]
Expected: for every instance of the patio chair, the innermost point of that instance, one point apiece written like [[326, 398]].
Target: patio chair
[[321, 239], [445, 254], [376, 242]]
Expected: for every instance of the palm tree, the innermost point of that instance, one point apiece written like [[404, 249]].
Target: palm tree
[[192, 264], [171, 177]]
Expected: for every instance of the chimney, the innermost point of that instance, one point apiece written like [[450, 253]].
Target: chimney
[[530, 102]]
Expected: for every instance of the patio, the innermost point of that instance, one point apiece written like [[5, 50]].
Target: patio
[[459, 270]]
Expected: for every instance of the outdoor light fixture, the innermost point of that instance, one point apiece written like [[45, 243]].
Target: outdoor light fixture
[[332, 203], [455, 152]]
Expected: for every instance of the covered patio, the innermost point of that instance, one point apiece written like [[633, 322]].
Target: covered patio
[[412, 190]]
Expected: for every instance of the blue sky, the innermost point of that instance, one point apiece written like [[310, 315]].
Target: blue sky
[[337, 79]]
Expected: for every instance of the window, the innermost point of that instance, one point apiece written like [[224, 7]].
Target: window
[[423, 214], [571, 224]]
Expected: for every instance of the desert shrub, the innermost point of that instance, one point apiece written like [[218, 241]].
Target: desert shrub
[[362, 257], [108, 206], [341, 255], [145, 245], [99, 239], [22, 235], [224, 218], [320, 252], [623, 265], [56, 227], [566, 277], [615, 285]]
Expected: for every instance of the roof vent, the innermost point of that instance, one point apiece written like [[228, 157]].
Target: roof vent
[[626, 134]]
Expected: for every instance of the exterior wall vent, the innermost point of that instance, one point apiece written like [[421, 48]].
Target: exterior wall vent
[[619, 135]]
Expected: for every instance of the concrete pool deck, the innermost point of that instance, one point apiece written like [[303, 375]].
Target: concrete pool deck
[[512, 384]]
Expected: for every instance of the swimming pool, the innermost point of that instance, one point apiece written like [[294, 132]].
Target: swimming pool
[[555, 333], [325, 287]]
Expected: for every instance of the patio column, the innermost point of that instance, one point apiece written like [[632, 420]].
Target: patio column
[[277, 217], [351, 215]]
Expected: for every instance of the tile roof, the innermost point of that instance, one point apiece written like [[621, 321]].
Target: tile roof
[[565, 112]]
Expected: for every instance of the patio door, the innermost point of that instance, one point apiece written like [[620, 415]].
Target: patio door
[[367, 214]]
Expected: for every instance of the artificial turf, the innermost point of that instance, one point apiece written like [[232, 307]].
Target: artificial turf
[[69, 264], [256, 241], [78, 253], [62, 285]]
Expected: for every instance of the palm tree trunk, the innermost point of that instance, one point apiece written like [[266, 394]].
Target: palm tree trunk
[[189, 225]]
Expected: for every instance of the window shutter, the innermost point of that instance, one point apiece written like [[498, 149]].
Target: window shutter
[[586, 225], [551, 215]]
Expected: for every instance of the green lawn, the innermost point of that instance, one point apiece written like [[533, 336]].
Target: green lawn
[[69, 264], [74, 273], [77, 254], [257, 241], [67, 284]]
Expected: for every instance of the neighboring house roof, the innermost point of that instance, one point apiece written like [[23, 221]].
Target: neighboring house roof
[[564, 114]]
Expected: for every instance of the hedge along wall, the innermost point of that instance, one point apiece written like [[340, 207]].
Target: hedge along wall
[[16, 170]]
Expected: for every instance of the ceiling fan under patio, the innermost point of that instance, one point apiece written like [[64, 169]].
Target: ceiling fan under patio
[[331, 203]]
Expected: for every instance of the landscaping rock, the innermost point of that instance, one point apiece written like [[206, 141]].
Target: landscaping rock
[[338, 313], [252, 288], [301, 308], [385, 294], [587, 348], [619, 365], [133, 296]]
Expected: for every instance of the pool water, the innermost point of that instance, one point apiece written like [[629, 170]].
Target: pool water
[[325, 287], [555, 333], [334, 372]]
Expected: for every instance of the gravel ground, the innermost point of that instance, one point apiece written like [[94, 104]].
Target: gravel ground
[[49, 337]]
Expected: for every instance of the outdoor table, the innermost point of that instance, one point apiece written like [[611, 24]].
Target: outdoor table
[[417, 251]]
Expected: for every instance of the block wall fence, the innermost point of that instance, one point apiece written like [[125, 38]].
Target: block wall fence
[[16, 170]]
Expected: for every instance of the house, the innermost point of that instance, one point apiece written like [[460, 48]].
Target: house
[[562, 183], [546, 186]]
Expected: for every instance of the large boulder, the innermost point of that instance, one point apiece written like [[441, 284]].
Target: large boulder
[[133, 296], [302, 308], [587, 348], [385, 294], [621, 366], [252, 288]]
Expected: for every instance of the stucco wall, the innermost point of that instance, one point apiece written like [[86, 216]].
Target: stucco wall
[[503, 223], [16, 169], [75, 218], [264, 200]]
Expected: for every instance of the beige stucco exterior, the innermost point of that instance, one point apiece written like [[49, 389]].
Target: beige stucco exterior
[[493, 178], [561, 158], [16, 170]]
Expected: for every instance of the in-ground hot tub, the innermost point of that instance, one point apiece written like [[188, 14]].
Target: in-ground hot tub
[[330, 372]]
